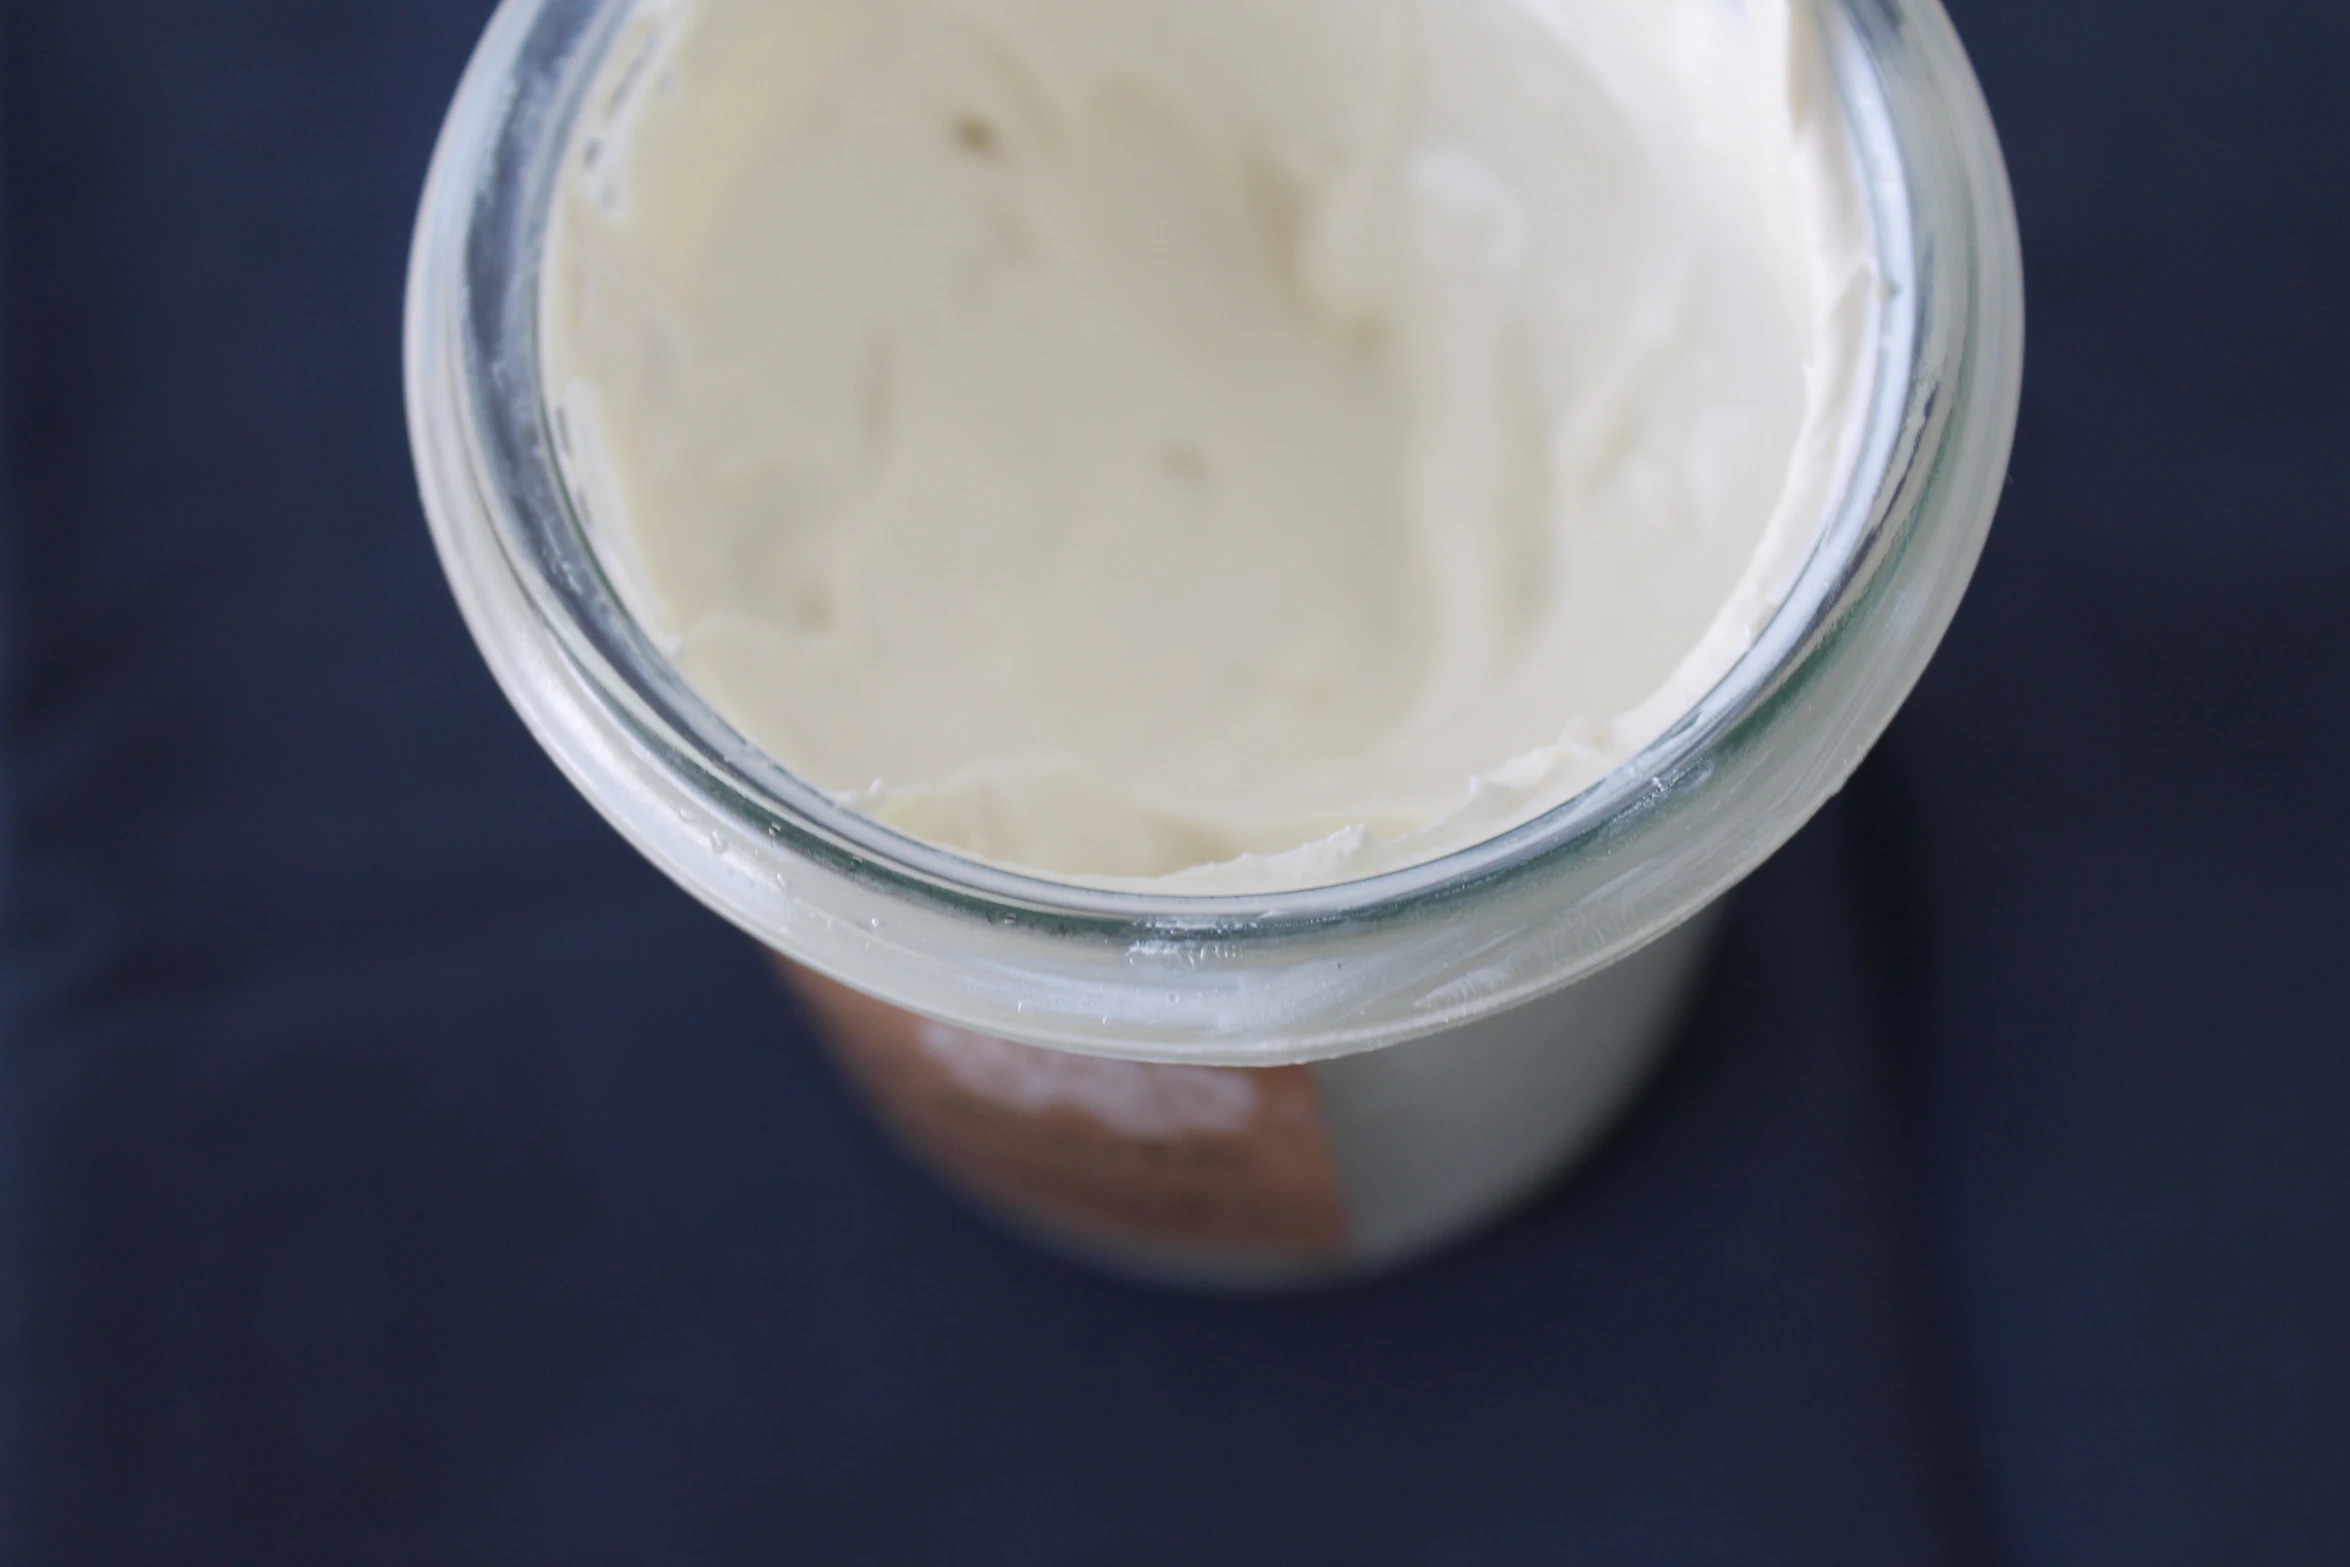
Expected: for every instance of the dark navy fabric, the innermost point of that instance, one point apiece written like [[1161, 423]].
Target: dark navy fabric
[[395, 1170]]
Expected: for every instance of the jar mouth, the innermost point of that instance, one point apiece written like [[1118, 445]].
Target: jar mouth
[[1656, 835]]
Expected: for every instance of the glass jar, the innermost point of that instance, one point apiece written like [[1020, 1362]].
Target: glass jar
[[1286, 1087]]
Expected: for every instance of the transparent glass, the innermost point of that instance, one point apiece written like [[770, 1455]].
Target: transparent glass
[[1253, 981]]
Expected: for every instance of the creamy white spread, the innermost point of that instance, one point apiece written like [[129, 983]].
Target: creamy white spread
[[1208, 445]]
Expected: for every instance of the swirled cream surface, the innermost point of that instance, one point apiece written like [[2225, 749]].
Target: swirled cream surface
[[1208, 445]]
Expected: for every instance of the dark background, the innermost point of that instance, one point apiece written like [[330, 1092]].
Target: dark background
[[397, 1171]]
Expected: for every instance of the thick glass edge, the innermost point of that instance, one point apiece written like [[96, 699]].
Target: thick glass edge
[[1948, 441], [622, 662]]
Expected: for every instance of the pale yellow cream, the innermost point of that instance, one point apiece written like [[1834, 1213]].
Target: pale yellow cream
[[1208, 445]]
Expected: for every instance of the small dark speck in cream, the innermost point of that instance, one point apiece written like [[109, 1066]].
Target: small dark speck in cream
[[1186, 464], [977, 137]]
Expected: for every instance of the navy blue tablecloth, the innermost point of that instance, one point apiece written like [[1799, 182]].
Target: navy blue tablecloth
[[394, 1170]]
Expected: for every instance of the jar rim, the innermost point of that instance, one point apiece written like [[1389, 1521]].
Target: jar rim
[[739, 830]]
